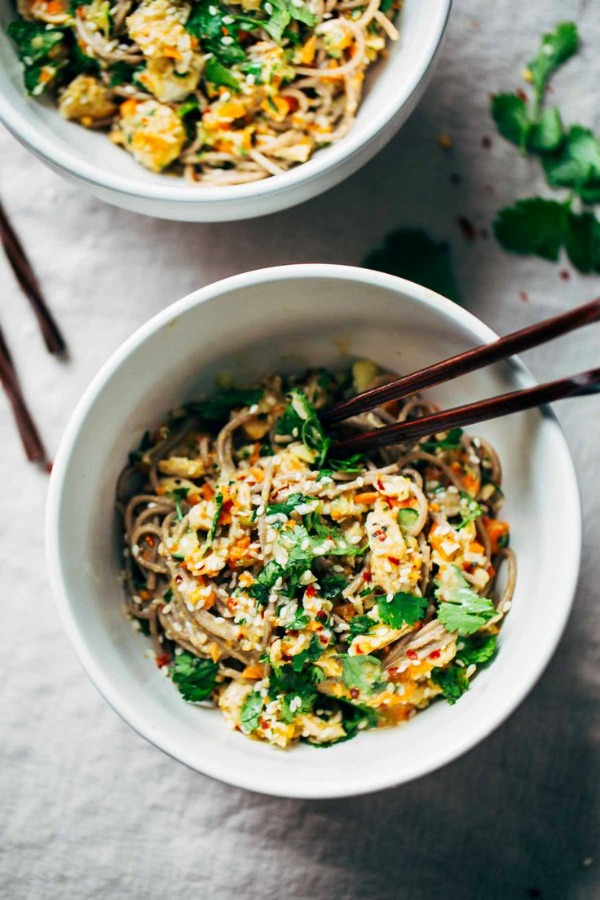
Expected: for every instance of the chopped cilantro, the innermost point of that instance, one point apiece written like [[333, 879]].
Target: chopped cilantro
[[332, 586], [401, 609], [478, 649], [209, 28], [217, 409], [360, 625], [42, 51], [352, 465], [286, 507], [450, 442], [289, 684], [299, 622], [299, 420], [362, 672], [472, 512], [217, 73], [265, 580], [460, 608], [250, 712], [452, 680], [557, 47], [411, 253], [312, 653], [195, 678]]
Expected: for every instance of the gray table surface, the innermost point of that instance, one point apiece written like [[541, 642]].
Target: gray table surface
[[87, 808]]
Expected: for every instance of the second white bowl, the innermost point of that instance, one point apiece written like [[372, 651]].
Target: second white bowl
[[88, 157]]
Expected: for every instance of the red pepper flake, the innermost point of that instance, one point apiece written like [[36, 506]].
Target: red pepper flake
[[311, 590], [178, 579], [565, 274], [524, 296], [380, 485], [379, 534], [394, 561], [264, 725], [367, 577], [392, 671], [354, 693], [468, 229], [150, 540], [522, 95], [435, 654], [322, 615], [358, 650], [486, 141], [163, 660], [323, 639], [412, 654]]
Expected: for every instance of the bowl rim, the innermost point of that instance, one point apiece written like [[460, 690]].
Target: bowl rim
[[60, 474], [57, 154]]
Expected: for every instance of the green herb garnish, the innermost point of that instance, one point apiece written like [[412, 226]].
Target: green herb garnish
[[460, 608], [401, 609], [196, 678]]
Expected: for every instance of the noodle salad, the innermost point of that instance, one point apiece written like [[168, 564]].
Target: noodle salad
[[224, 93], [311, 597]]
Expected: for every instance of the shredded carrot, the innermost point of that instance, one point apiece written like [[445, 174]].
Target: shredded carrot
[[254, 671], [206, 491], [476, 547], [471, 483], [129, 107], [495, 530], [367, 497]]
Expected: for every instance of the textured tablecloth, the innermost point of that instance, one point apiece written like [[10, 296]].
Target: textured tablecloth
[[87, 808]]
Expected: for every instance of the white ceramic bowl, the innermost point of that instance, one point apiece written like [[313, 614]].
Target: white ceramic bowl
[[283, 319], [88, 158]]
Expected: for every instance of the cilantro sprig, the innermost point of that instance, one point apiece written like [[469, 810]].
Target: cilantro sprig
[[460, 608], [196, 678], [401, 609], [300, 421], [570, 159]]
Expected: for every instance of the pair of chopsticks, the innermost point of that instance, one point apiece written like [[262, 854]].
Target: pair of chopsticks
[[53, 338], [469, 361]]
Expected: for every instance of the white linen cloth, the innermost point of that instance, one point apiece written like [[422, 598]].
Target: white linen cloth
[[87, 808]]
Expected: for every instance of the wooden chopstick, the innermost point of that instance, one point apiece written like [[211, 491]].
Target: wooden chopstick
[[27, 279], [480, 411], [30, 437], [468, 361]]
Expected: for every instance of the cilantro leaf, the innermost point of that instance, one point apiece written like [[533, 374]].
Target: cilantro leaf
[[41, 50], [547, 133], [402, 609], [478, 649], [557, 47], [450, 442], [312, 653], [196, 678], [300, 621], [452, 680], [412, 254], [354, 716], [582, 241], [360, 625], [332, 586], [460, 608], [217, 73], [533, 226], [265, 581], [250, 712], [210, 29], [352, 465], [473, 510], [362, 672], [511, 116], [286, 507], [577, 164], [217, 408], [290, 684], [299, 420]]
